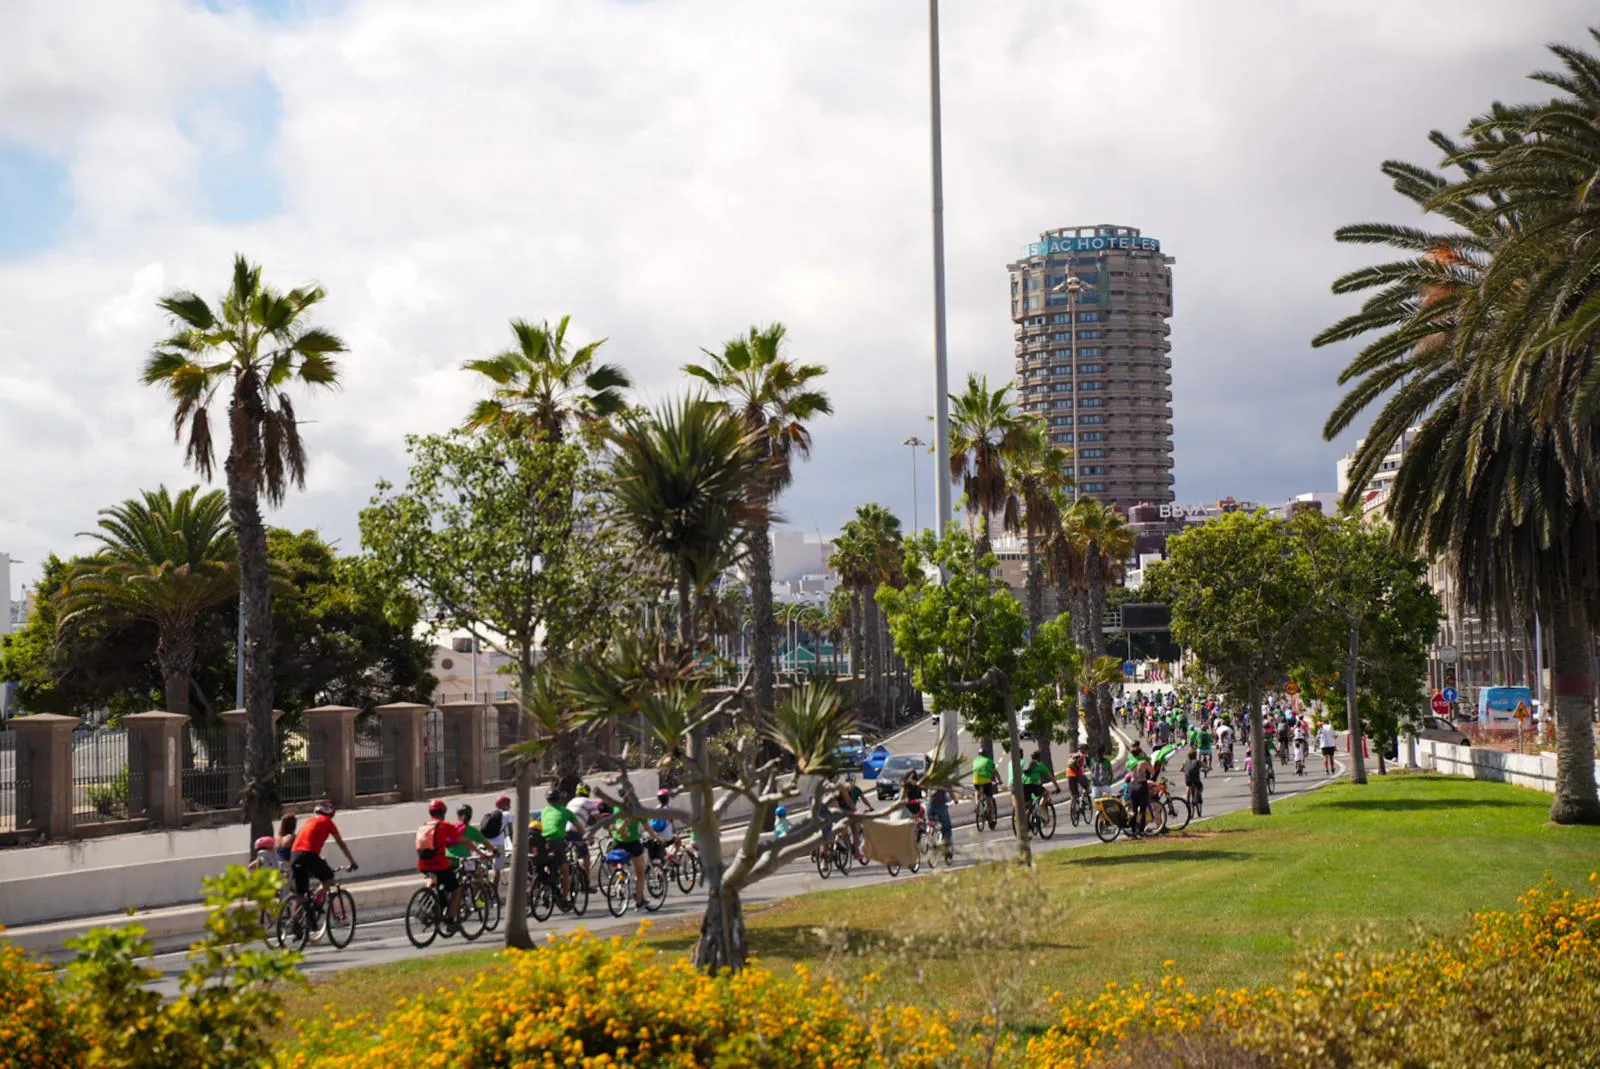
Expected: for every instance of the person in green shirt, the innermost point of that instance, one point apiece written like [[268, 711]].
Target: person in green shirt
[[1034, 773], [983, 774], [472, 843], [628, 834], [553, 823]]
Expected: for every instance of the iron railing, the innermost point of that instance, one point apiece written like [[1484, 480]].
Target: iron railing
[[300, 778], [376, 769], [102, 780], [441, 762], [12, 785]]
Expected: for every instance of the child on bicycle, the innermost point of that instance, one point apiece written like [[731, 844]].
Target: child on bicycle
[[1193, 782]]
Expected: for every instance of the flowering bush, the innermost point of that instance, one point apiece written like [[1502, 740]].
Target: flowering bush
[[1519, 988], [34, 1031], [583, 1001]]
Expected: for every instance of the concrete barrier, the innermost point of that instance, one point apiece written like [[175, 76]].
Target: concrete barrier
[[1537, 771]]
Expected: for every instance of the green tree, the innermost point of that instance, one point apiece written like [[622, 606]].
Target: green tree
[[1475, 337], [1243, 597], [1041, 473], [542, 387], [868, 554], [775, 397], [1054, 665], [984, 428], [163, 560], [1088, 551], [502, 535], [254, 345], [680, 486]]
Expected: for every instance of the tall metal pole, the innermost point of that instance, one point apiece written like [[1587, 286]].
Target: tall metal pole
[[941, 371]]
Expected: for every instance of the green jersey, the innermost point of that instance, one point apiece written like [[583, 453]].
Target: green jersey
[[626, 832], [982, 770], [463, 849], [1034, 772], [555, 820]]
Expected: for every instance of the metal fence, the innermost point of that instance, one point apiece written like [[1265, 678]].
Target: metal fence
[[12, 785], [213, 771], [376, 769], [300, 778], [102, 780], [441, 762]]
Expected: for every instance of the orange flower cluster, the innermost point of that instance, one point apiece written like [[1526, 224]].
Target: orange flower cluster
[[34, 1025]]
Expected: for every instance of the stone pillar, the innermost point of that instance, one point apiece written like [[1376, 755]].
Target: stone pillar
[[155, 750], [331, 730], [44, 762], [238, 724], [463, 725], [402, 735]]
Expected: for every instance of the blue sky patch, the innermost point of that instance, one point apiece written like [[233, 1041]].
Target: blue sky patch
[[237, 132], [35, 200]]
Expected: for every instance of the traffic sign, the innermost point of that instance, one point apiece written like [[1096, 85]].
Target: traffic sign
[[1440, 706], [1447, 654], [1522, 711], [1450, 695], [1291, 688]]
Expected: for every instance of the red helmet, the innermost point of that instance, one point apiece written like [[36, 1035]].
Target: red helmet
[[437, 808], [502, 802]]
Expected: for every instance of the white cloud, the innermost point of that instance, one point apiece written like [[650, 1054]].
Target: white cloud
[[670, 174]]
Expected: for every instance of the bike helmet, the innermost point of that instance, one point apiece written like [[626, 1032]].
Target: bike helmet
[[324, 809], [437, 808], [536, 825], [502, 802], [266, 842], [464, 811], [554, 797], [663, 795], [583, 790], [782, 811]]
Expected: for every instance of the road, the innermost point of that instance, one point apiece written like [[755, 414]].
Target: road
[[381, 940]]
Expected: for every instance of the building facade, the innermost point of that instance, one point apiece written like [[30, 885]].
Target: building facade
[[1093, 359]]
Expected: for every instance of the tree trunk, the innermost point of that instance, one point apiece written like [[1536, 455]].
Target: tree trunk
[[1259, 803], [1035, 588], [874, 651], [1352, 709], [1074, 718], [856, 654], [1575, 801], [761, 609], [260, 796], [517, 934], [722, 935], [175, 655], [1019, 804]]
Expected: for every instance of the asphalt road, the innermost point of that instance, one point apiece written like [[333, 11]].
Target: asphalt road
[[383, 940]]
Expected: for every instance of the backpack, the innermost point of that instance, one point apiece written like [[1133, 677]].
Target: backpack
[[492, 823], [428, 841]]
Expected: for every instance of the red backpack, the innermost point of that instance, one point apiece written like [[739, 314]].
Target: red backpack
[[428, 840]]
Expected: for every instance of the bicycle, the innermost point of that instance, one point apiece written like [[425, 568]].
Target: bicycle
[[428, 915], [1042, 816], [545, 895], [1194, 797], [832, 853], [1079, 810], [479, 877], [931, 847], [683, 865], [620, 888], [328, 912], [1176, 810], [987, 812]]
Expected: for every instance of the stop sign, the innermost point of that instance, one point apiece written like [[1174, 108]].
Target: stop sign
[[1440, 706]]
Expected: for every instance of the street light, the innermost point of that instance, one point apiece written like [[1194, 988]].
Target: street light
[[1072, 286], [941, 370], [914, 443]]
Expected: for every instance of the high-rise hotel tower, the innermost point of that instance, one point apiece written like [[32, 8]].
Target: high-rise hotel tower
[[1112, 401]]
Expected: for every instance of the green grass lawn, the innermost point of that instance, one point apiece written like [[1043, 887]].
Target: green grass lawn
[[1229, 902]]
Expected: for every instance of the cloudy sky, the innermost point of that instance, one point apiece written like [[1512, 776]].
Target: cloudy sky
[[670, 172]]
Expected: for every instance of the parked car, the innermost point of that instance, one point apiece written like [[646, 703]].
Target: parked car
[[1438, 729], [894, 770], [851, 752], [874, 762]]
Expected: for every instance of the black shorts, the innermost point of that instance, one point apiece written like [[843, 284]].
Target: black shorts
[[303, 865], [654, 848], [449, 879], [986, 789], [1327, 751], [579, 843], [633, 849]]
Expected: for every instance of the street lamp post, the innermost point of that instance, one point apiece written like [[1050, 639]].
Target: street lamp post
[[941, 370], [1072, 286], [914, 443]]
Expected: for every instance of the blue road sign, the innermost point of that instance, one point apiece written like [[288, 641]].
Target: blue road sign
[[1450, 694]]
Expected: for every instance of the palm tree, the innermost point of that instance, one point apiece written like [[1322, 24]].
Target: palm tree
[[867, 554], [542, 387], [680, 486], [1502, 478], [255, 344], [1039, 473], [1088, 552], [774, 396], [164, 561], [984, 428], [841, 622]]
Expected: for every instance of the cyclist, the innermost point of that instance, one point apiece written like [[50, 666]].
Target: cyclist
[[434, 840], [555, 822], [305, 857], [627, 833], [1100, 773], [847, 797], [983, 775], [586, 819], [780, 822], [1299, 752], [496, 829], [661, 828], [1078, 774], [1193, 781], [1205, 748], [472, 842], [939, 813], [1034, 773]]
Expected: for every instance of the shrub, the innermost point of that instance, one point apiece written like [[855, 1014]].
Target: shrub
[[35, 1029], [582, 1001]]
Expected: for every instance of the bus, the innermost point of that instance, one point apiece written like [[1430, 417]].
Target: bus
[[1497, 704]]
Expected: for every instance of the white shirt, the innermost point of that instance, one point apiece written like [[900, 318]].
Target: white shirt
[[583, 811], [1325, 736]]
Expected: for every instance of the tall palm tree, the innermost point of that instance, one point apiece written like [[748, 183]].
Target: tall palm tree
[[541, 386], [1089, 550], [254, 345], [1502, 480], [680, 486], [164, 560], [868, 554], [984, 428], [1040, 471], [775, 397]]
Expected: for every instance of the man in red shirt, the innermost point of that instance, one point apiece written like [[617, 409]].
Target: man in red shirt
[[305, 856], [433, 841]]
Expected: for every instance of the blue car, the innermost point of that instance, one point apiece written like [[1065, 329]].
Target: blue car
[[874, 762], [851, 751]]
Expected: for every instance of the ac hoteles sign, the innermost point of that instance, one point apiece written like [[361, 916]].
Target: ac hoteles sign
[[1092, 243]]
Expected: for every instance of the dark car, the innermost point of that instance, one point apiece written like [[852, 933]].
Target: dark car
[[873, 764], [851, 752], [895, 769]]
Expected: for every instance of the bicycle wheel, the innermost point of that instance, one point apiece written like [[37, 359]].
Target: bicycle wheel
[[1047, 819], [893, 867], [1157, 824], [619, 892], [1178, 814], [542, 902], [822, 858], [579, 903], [293, 927], [422, 918], [496, 904], [1105, 829], [655, 886], [1272, 783], [474, 909], [339, 917], [686, 872], [841, 856]]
